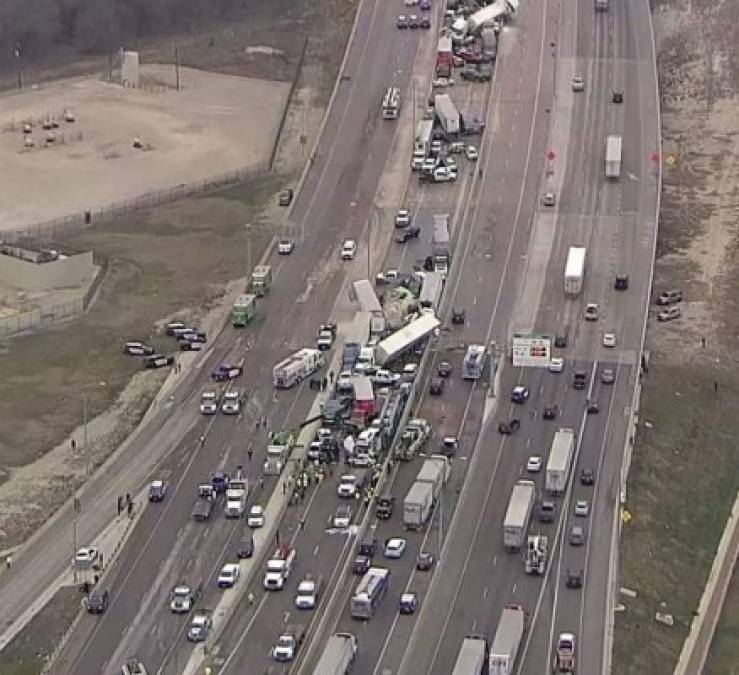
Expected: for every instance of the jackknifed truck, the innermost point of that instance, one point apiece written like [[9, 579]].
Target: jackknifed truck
[[560, 461], [507, 640], [517, 516]]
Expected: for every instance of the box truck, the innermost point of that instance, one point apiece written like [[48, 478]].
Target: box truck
[[560, 461], [574, 270]]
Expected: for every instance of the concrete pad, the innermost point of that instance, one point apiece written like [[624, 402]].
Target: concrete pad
[[215, 124]]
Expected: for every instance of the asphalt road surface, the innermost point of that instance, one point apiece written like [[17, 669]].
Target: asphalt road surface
[[167, 546], [476, 577]]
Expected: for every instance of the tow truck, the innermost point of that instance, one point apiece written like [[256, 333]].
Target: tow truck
[[208, 403], [200, 626], [564, 659], [182, 598], [279, 567], [287, 644], [231, 402], [535, 561]]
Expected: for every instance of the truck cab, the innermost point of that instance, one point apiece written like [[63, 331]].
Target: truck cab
[[565, 655], [279, 567]]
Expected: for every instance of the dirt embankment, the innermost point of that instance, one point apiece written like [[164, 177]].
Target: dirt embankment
[[685, 472]]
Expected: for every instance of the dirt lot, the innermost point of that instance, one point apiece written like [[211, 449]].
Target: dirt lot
[[158, 260], [685, 472], [215, 124], [26, 655]]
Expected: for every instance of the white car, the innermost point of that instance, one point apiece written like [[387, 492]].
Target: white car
[[609, 340], [229, 575], [429, 164], [256, 516], [578, 84], [411, 3], [231, 403], [549, 199], [444, 174], [307, 595], [556, 364], [342, 517], [394, 548], [592, 312], [582, 508], [285, 247], [403, 218], [533, 465], [349, 250], [86, 556], [208, 403], [471, 153]]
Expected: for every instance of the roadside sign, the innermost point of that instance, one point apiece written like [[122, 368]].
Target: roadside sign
[[531, 350]]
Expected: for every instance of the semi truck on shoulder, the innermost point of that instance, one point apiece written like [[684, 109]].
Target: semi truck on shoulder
[[613, 157], [294, 369], [402, 340], [338, 655], [435, 470], [560, 461], [447, 113], [261, 280], [518, 514], [535, 560], [472, 656], [473, 363], [243, 310], [507, 640], [574, 270], [441, 250], [417, 505]]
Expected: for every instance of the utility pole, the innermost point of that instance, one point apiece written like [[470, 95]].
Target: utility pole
[[18, 64], [177, 67], [84, 433], [76, 507], [248, 249], [369, 247]]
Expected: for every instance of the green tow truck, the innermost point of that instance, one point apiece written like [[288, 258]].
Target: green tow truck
[[244, 310]]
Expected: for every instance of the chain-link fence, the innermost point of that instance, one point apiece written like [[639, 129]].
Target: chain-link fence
[[56, 228], [40, 317]]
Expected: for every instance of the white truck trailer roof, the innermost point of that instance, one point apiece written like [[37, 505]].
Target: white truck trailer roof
[[575, 261], [560, 454], [518, 507]]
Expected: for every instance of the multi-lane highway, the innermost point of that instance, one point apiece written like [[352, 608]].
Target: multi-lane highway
[[167, 546], [507, 273], [476, 577]]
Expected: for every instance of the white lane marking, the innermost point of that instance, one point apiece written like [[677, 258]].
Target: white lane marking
[[516, 222]]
